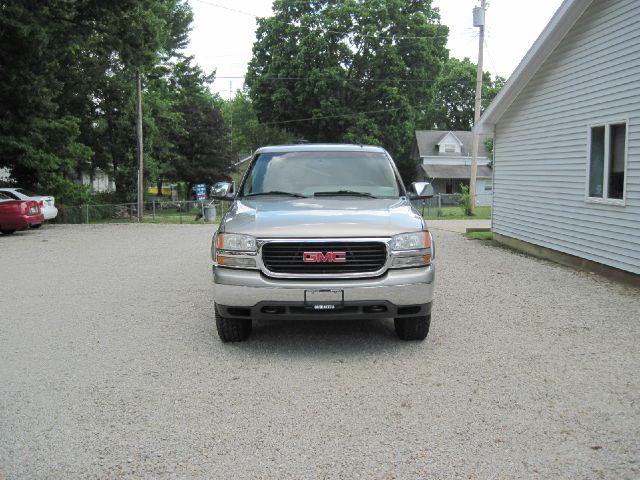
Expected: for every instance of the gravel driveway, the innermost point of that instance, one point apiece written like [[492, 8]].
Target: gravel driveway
[[110, 367]]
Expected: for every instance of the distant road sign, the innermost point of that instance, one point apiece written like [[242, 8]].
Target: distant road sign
[[201, 191]]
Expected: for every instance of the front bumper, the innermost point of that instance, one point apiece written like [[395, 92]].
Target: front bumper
[[396, 288]]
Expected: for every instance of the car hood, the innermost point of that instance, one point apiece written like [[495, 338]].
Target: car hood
[[278, 217]]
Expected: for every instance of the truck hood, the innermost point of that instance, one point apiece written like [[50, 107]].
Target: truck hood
[[278, 217]]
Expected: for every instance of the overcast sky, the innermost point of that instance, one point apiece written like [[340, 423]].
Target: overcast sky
[[224, 31]]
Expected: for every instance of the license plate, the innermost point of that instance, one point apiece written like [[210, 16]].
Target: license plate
[[325, 299], [33, 210]]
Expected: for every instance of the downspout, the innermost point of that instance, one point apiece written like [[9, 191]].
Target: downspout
[[493, 175]]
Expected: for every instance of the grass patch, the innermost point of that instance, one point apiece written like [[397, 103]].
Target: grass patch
[[479, 235], [456, 213]]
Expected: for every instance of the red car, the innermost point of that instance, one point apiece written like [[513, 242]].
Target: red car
[[18, 214]]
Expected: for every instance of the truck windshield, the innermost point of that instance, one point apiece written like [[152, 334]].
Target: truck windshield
[[365, 174]]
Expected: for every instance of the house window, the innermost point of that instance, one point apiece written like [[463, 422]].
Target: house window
[[607, 161], [449, 148]]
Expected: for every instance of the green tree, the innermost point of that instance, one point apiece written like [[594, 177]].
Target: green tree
[[39, 143], [455, 94], [348, 70], [67, 88], [203, 143], [248, 133]]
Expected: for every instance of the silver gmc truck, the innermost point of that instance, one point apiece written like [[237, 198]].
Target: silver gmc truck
[[322, 232]]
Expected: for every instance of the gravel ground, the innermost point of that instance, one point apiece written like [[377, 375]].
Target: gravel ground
[[110, 367]]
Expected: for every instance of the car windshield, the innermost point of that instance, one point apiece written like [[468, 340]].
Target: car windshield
[[328, 173]]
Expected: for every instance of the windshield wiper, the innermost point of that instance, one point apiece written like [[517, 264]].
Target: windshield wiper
[[344, 192], [275, 192]]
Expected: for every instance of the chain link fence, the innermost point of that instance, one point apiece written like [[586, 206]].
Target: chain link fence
[[445, 206], [166, 211], [155, 211]]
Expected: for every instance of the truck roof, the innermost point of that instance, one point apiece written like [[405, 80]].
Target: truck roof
[[321, 147]]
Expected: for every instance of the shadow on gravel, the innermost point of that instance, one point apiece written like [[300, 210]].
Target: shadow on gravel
[[305, 338]]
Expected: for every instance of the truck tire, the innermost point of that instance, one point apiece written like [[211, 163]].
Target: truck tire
[[232, 329], [413, 328]]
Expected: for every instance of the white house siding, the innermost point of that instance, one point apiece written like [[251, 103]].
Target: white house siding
[[101, 182], [483, 192], [541, 142]]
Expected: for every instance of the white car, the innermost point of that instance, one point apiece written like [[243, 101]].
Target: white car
[[47, 203]]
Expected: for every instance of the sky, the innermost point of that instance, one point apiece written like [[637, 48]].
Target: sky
[[224, 31]]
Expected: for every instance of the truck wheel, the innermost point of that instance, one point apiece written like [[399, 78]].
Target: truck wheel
[[413, 328], [232, 329]]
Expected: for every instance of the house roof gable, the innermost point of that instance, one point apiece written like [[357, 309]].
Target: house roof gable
[[562, 21], [451, 135]]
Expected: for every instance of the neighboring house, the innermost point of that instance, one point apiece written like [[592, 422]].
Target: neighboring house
[[168, 190], [445, 162], [5, 175], [101, 182], [566, 133]]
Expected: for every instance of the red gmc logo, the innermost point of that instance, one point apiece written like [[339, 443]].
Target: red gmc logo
[[316, 257]]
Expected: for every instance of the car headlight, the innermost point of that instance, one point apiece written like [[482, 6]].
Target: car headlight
[[410, 241], [236, 243], [411, 250]]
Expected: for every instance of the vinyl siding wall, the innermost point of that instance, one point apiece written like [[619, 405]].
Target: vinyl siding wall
[[541, 142]]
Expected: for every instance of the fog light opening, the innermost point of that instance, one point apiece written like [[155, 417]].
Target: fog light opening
[[272, 310], [374, 309]]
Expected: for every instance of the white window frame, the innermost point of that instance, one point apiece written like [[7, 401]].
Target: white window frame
[[605, 181]]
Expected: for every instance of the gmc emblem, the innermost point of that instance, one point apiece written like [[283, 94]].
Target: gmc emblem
[[316, 257]]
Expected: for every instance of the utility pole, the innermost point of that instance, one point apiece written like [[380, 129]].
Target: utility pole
[[140, 152], [231, 116], [478, 21]]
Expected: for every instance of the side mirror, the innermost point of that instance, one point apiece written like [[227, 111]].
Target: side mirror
[[222, 191], [422, 190]]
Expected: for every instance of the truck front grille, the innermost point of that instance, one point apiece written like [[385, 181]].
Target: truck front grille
[[289, 257]]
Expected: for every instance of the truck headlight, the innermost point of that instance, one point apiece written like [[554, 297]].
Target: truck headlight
[[410, 241], [234, 250], [236, 242], [411, 249]]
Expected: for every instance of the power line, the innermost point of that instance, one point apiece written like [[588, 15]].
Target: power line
[[381, 37], [224, 7], [495, 71], [362, 80], [326, 117]]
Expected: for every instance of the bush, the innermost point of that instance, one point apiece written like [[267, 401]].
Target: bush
[[465, 200]]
